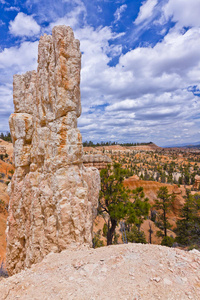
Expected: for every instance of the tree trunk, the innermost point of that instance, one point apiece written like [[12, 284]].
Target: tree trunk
[[111, 231], [150, 232], [165, 224]]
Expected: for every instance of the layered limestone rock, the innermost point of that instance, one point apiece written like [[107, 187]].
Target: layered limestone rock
[[197, 182], [53, 197], [98, 161]]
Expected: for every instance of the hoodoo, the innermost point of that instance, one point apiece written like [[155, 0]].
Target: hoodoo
[[53, 197]]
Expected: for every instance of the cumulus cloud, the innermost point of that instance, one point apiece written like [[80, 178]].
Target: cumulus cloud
[[12, 61], [95, 59], [119, 12], [184, 12], [71, 18], [169, 64], [151, 94], [6, 105], [147, 89], [20, 58], [24, 25], [146, 11]]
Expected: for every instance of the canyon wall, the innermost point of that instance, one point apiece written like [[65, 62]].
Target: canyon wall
[[53, 197]]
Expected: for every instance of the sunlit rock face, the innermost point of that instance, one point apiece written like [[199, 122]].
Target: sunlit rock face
[[53, 197], [98, 161]]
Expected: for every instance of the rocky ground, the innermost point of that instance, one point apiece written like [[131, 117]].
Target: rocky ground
[[132, 271]]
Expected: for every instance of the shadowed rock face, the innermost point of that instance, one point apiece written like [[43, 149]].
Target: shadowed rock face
[[53, 197]]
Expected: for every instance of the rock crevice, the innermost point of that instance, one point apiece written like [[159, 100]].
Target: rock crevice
[[53, 197]]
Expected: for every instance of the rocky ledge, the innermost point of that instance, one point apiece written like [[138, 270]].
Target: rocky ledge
[[132, 271]]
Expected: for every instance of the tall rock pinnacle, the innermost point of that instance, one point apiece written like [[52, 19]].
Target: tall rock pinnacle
[[53, 197]]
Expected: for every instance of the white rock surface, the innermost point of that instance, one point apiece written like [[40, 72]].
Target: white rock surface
[[133, 271], [53, 197]]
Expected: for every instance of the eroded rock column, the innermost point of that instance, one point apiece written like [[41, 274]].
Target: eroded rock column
[[53, 197]]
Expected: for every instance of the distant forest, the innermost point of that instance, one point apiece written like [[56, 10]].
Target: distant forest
[[6, 137], [91, 144]]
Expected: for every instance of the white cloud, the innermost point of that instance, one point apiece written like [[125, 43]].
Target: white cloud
[[72, 18], [21, 58], [119, 12], [185, 12], [100, 10], [147, 90], [6, 106], [12, 8], [6, 94], [12, 61], [146, 11], [165, 66], [24, 25], [96, 51], [147, 96]]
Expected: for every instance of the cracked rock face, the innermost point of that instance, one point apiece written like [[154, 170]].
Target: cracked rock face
[[53, 197]]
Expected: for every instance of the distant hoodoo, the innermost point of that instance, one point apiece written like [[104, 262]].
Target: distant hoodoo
[[53, 197]]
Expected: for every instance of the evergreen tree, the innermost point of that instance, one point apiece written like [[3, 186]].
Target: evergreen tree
[[6, 137], [162, 204], [136, 236], [167, 241], [188, 227], [96, 240], [138, 210], [114, 201]]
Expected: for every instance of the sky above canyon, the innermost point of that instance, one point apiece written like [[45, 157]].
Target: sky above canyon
[[140, 76]]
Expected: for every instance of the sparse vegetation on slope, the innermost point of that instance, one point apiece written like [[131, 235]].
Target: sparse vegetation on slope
[[6, 137]]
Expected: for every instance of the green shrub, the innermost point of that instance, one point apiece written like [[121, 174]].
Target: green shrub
[[167, 241], [105, 230], [96, 240], [136, 236]]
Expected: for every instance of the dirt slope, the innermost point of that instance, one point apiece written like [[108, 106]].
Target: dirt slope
[[6, 169], [3, 217], [132, 271], [9, 147]]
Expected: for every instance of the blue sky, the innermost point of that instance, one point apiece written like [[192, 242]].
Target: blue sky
[[140, 77]]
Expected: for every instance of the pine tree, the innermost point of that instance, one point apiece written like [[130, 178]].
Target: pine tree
[[162, 204], [188, 227], [136, 236], [114, 201]]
